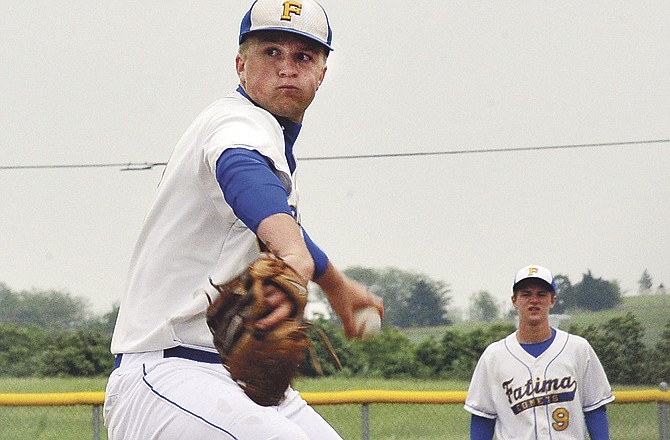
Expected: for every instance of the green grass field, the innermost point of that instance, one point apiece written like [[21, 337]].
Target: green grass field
[[387, 421], [651, 310]]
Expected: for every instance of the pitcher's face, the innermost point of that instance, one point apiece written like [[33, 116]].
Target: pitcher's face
[[281, 72]]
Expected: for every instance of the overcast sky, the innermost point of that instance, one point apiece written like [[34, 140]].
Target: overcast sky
[[118, 82]]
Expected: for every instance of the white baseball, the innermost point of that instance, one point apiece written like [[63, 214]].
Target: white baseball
[[368, 322]]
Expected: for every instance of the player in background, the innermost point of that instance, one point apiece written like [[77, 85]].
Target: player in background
[[227, 195], [539, 382]]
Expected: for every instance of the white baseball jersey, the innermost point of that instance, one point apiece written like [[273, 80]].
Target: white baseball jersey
[[538, 398], [191, 234]]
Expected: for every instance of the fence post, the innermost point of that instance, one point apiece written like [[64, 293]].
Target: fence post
[[663, 423], [96, 422], [365, 416]]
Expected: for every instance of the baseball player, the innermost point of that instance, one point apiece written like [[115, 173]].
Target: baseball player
[[539, 382], [228, 195]]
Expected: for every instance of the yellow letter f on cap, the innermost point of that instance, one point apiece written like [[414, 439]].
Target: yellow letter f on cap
[[291, 8], [532, 270]]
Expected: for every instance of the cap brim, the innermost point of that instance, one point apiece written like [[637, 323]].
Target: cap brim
[[536, 279], [287, 30]]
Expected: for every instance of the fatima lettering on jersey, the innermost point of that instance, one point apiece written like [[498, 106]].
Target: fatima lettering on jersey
[[541, 392]]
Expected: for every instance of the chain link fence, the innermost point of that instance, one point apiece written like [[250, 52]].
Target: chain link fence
[[371, 414]]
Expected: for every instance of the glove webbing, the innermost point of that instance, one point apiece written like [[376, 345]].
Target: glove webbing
[[329, 348]]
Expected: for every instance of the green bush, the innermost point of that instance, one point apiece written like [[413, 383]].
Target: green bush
[[77, 353], [84, 352], [619, 346], [20, 350], [33, 351]]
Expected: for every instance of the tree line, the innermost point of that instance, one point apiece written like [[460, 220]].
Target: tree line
[[410, 300], [591, 294], [52, 333], [414, 300]]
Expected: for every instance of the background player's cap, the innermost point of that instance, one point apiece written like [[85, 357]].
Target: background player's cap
[[534, 271], [307, 18]]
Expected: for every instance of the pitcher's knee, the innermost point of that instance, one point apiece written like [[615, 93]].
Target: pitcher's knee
[[263, 427]]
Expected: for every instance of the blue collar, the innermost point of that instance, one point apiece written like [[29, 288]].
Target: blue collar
[[538, 348], [291, 131]]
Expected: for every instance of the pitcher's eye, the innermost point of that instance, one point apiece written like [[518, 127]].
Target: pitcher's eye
[[304, 57]]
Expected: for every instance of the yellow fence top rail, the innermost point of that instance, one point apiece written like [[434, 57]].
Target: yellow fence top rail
[[384, 396], [52, 399], [325, 398]]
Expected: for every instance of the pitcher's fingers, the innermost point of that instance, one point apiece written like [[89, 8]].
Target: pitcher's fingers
[[278, 303], [278, 314], [379, 304]]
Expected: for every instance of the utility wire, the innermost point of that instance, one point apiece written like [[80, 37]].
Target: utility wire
[[138, 166], [487, 150], [128, 166]]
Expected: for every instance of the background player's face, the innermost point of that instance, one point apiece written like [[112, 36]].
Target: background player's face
[[281, 72], [533, 301]]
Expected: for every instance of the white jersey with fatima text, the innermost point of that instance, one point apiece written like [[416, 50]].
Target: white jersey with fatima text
[[538, 398], [191, 234]]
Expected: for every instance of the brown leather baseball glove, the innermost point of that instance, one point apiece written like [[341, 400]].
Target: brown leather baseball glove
[[261, 362]]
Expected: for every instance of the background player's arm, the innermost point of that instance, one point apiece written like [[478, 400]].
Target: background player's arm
[[481, 428], [596, 423]]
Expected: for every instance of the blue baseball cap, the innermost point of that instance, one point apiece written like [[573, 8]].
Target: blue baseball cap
[[306, 18]]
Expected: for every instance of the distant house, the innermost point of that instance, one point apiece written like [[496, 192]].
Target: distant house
[[554, 321], [317, 309]]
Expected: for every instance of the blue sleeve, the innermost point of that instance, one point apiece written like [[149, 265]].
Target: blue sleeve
[[254, 192], [250, 187], [596, 423], [481, 428], [320, 258]]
